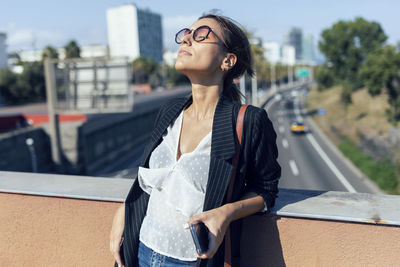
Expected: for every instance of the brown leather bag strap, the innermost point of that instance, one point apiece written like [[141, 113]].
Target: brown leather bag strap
[[239, 131]]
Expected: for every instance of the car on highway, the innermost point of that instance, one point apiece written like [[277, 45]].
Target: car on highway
[[298, 127], [278, 97]]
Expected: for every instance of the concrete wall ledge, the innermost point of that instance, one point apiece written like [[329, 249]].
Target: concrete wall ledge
[[324, 205], [60, 220], [68, 186]]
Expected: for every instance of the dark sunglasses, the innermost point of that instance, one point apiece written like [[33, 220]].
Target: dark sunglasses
[[199, 34]]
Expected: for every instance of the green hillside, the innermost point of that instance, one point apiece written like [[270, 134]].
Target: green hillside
[[345, 124]]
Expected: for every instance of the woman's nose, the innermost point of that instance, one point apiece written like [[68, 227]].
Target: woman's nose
[[187, 39]]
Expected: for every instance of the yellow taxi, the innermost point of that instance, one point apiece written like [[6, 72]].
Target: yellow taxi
[[298, 127]]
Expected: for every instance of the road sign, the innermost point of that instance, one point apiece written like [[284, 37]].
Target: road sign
[[302, 73]]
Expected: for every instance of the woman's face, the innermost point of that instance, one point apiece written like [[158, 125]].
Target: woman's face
[[200, 58]]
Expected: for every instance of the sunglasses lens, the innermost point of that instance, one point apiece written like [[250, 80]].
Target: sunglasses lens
[[201, 33], [180, 35]]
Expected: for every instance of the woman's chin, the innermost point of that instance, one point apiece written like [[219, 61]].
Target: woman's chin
[[179, 65], [181, 68]]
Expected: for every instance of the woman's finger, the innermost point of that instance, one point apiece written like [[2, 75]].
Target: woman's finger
[[211, 245], [115, 248], [196, 218], [211, 248], [117, 257]]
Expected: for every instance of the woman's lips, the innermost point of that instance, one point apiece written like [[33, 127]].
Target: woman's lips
[[184, 53]]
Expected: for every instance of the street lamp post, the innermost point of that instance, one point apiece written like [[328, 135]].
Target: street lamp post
[[254, 93], [51, 92], [242, 85]]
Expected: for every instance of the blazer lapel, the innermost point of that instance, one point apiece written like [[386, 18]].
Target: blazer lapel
[[222, 149], [169, 114]]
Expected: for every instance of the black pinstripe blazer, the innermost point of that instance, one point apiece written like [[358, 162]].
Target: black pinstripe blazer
[[258, 170]]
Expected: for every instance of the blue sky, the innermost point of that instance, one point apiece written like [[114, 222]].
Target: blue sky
[[31, 24]]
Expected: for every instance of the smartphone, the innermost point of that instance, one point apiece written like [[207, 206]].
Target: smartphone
[[199, 233]]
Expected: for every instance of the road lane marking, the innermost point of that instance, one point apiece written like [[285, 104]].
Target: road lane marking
[[294, 168], [281, 129], [330, 164], [285, 143]]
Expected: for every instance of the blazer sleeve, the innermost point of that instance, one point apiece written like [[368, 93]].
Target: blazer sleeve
[[263, 168]]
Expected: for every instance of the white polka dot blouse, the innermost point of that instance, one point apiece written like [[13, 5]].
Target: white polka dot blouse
[[177, 190]]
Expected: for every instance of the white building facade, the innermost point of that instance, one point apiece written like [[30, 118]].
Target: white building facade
[[272, 52], [90, 51], [275, 53], [3, 50], [308, 56], [288, 55], [87, 51], [134, 32]]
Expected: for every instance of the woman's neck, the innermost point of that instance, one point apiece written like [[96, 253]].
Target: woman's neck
[[205, 99]]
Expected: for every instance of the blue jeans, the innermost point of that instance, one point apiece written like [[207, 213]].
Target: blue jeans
[[149, 258]]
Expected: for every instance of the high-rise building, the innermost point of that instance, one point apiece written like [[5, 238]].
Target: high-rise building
[[288, 55], [294, 37], [272, 52], [3, 50], [134, 32], [308, 49]]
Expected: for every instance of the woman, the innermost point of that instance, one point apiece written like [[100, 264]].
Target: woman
[[187, 167]]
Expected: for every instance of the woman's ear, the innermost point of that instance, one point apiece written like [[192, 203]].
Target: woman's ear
[[228, 62]]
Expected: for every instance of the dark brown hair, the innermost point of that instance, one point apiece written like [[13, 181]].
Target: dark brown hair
[[237, 43]]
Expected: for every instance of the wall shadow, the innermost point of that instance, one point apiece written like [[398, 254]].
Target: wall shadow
[[261, 244]]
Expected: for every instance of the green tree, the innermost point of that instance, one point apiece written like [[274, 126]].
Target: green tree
[[345, 94], [281, 73], [145, 70], [174, 77], [49, 50], [346, 45], [8, 79], [32, 78], [72, 50], [257, 53], [381, 70], [25, 87], [260, 63], [324, 77]]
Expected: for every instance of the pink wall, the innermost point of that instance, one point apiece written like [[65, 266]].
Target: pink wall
[[279, 241], [49, 231]]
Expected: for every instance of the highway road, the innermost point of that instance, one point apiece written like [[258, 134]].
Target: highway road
[[307, 160]]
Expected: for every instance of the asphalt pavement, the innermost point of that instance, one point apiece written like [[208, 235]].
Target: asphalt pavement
[[309, 160]]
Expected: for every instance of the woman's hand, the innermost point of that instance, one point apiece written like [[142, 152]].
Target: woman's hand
[[217, 221], [116, 235]]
